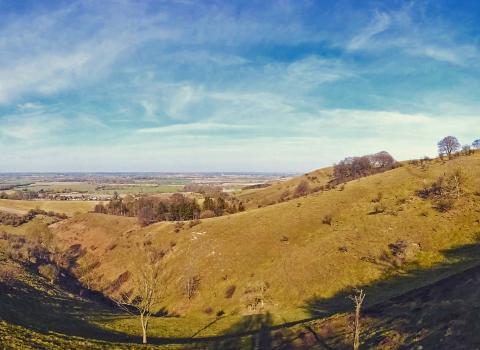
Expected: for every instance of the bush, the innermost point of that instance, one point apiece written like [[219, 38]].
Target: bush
[[230, 291], [379, 209], [378, 198], [49, 271], [443, 205], [327, 219], [8, 275], [302, 189]]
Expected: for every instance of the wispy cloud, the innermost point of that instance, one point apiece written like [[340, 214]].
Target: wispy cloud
[[380, 22], [209, 127], [289, 85]]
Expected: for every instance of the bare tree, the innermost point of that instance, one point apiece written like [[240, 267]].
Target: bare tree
[[448, 145], [357, 299], [148, 290]]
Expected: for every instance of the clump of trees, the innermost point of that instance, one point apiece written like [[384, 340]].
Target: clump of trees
[[177, 207], [449, 146], [152, 209], [352, 168]]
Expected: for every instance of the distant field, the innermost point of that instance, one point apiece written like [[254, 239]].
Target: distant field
[[60, 186], [105, 188], [138, 188], [67, 207]]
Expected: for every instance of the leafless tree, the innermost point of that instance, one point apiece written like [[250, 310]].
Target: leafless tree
[[448, 145], [148, 290], [357, 299], [476, 144]]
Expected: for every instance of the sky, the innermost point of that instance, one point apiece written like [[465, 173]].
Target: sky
[[284, 86]]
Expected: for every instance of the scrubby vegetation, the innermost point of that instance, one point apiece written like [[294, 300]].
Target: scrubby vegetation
[[177, 207], [355, 167]]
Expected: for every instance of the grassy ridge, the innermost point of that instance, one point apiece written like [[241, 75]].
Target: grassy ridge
[[68, 207], [288, 246], [281, 190]]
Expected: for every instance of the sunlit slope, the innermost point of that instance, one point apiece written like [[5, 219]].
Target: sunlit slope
[[283, 190], [288, 247], [68, 207]]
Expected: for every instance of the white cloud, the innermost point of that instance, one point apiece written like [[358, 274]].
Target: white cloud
[[380, 23], [192, 127]]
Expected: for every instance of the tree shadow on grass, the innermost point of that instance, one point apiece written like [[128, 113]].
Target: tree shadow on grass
[[401, 283], [58, 312], [431, 307]]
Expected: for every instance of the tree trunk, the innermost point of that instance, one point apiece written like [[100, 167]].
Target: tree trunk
[[356, 329], [144, 329]]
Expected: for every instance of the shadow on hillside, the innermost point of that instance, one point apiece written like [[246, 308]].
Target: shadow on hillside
[[46, 309], [44, 313], [398, 284]]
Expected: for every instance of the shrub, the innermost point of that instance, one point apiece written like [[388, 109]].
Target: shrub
[[443, 205], [8, 275], [378, 198], [302, 189], [49, 271], [379, 209], [230, 291], [191, 286], [327, 219], [178, 226]]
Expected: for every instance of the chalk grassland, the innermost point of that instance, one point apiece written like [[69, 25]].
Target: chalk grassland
[[68, 207], [279, 191], [308, 253], [291, 247]]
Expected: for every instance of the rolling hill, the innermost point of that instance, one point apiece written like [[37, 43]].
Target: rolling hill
[[297, 259]]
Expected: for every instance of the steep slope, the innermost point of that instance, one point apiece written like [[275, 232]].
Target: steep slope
[[287, 250], [284, 190]]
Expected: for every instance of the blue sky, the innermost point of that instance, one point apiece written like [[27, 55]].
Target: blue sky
[[233, 86]]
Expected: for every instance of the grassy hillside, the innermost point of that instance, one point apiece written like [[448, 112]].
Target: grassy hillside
[[288, 248], [68, 207], [301, 257], [283, 190]]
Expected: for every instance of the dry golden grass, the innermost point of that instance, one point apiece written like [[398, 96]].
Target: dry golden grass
[[287, 245], [256, 198], [68, 207]]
